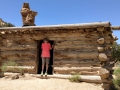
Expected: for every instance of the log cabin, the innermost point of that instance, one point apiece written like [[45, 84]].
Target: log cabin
[[78, 48]]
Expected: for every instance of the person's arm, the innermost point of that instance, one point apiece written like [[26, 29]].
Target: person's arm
[[51, 47]]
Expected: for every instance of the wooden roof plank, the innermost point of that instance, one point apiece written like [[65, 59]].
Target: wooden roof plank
[[66, 26]]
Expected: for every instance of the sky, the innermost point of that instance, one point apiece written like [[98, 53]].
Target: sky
[[53, 12]]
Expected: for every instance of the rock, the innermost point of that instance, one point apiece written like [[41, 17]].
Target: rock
[[101, 41], [15, 76], [102, 57]]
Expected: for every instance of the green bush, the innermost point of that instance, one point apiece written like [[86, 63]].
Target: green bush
[[75, 77], [116, 81], [116, 52], [6, 64], [15, 67]]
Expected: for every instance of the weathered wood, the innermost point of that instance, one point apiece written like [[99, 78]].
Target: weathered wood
[[89, 78], [18, 48], [115, 27], [26, 69], [65, 26], [76, 65], [88, 73], [78, 68], [75, 49], [101, 41], [104, 73], [76, 61], [61, 43], [23, 62], [17, 52], [101, 29], [58, 58], [101, 49], [103, 57], [79, 55], [75, 71], [82, 71]]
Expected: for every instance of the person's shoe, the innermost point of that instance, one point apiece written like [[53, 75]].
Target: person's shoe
[[41, 74], [46, 74]]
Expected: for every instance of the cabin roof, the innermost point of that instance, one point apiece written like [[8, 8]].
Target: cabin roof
[[61, 26]]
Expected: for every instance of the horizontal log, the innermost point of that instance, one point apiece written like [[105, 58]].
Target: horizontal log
[[62, 34], [75, 50], [18, 52], [17, 41], [18, 45], [23, 62], [30, 38], [77, 65], [18, 48], [67, 26], [84, 78], [88, 73], [58, 58], [76, 62], [81, 43], [17, 69], [115, 27], [58, 64], [75, 71], [18, 56], [78, 68], [70, 38], [71, 34], [78, 55]]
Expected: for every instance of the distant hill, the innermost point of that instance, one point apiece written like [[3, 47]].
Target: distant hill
[[5, 24]]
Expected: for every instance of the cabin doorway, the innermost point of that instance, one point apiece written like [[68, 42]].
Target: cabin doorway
[[50, 68]]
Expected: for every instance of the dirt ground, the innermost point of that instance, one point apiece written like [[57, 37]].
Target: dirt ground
[[34, 83]]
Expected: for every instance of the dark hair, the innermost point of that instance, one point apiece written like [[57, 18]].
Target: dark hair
[[45, 39]]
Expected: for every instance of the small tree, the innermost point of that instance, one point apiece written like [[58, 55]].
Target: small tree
[[116, 81], [8, 25], [116, 57], [116, 52], [5, 24]]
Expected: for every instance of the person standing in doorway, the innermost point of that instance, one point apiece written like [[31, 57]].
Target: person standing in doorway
[[46, 47]]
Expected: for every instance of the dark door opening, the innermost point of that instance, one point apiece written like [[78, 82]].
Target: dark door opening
[[50, 68]]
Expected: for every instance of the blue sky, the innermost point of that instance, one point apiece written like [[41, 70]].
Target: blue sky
[[51, 12]]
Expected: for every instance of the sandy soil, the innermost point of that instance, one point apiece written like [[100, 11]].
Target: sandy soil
[[33, 83]]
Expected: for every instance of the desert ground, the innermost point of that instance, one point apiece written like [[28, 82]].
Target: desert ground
[[34, 83]]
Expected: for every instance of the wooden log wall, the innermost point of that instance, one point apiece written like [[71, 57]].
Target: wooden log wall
[[83, 51], [74, 47], [105, 57]]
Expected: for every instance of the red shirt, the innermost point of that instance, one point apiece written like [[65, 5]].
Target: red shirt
[[45, 49]]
